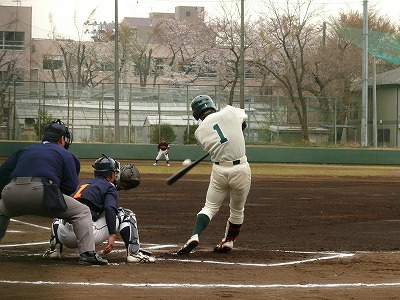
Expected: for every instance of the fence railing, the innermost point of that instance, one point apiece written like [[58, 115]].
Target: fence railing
[[90, 113]]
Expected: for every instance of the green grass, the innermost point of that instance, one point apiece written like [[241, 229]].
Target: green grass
[[204, 168]]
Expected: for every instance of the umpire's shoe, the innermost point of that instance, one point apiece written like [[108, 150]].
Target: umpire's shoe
[[189, 246], [92, 258]]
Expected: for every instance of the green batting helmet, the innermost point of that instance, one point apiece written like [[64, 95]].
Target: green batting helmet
[[200, 103]]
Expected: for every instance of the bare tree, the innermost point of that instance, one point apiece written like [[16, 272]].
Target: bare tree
[[336, 63], [290, 31], [82, 61], [11, 71], [227, 31], [137, 51]]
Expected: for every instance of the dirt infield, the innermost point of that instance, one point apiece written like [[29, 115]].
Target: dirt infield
[[304, 237]]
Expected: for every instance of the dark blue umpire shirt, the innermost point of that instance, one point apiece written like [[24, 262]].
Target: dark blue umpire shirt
[[45, 159]]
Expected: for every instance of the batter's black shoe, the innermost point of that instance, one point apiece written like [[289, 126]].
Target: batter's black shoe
[[189, 246], [224, 247], [92, 258]]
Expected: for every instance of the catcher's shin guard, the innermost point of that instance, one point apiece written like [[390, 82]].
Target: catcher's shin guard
[[56, 248], [54, 236], [129, 230]]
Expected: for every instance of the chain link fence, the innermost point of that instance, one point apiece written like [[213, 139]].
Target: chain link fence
[[90, 113]]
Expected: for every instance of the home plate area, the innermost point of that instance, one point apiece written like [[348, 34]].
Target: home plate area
[[24, 239]]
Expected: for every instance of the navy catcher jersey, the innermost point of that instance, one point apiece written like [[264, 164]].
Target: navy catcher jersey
[[98, 194]]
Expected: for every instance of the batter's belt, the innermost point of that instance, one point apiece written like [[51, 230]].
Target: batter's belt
[[233, 162]]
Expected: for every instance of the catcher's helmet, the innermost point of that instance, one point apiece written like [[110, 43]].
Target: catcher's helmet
[[200, 103], [104, 166], [55, 130]]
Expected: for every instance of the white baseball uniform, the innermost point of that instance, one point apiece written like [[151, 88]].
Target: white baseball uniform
[[221, 135]]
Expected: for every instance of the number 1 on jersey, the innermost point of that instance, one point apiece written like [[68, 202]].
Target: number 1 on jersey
[[223, 139]]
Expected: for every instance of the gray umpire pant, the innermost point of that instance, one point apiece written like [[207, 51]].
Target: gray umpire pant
[[19, 199]]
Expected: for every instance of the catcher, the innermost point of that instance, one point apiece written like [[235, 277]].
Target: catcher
[[100, 194]]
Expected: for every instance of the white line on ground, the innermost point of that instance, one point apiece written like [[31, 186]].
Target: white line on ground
[[218, 285], [321, 255], [330, 256], [24, 244], [30, 224], [324, 256]]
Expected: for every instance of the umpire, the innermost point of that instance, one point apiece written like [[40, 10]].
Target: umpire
[[36, 181]]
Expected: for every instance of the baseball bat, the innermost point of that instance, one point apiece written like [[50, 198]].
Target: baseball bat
[[170, 180]]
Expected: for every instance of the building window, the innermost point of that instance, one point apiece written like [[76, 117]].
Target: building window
[[10, 40], [159, 63], [10, 75], [384, 135], [52, 63], [353, 111], [106, 67]]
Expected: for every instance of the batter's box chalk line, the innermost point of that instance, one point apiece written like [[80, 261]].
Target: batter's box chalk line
[[213, 285], [317, 256], [320, 256]]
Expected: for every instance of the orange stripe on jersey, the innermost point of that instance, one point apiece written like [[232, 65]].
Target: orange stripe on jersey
[[78, 194]]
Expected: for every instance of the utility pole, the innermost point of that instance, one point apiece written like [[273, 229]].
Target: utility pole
[[116, 82], [241, 69], [364, 104]]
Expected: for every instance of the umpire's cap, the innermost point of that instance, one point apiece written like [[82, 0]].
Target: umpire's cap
[[55, 130]]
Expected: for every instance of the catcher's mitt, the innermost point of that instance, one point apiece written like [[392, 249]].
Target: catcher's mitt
[[129, 177]]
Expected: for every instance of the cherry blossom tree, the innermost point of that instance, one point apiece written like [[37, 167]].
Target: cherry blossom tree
[[189, 47]]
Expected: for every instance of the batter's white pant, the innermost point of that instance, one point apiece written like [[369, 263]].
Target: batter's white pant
[[234, 180]]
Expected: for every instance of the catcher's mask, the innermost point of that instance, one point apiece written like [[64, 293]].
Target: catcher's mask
[[55, 130], [104, 166], [129, 178], [200, 103]]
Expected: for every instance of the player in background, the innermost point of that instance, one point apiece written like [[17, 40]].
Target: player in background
[[101, 196], [220, 134], [27, 175], [162, 149]]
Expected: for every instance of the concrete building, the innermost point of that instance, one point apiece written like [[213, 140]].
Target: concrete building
[[15, 39], [387, 109]]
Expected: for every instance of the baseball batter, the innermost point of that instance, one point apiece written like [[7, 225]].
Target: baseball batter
[[220, 133], [47, 171], [101, 196], [162, 149]]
